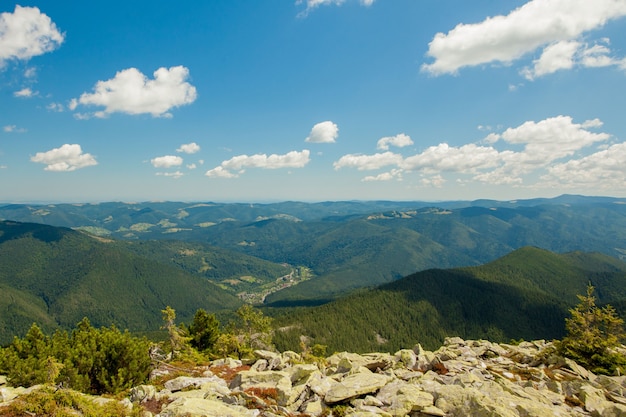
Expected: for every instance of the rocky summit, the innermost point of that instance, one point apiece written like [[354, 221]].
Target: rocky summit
[[462, 378]]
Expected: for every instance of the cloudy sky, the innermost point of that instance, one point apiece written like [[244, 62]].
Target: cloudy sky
[[312, 100]]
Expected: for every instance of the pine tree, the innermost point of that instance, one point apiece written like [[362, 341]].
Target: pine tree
[[593, 333], [257, 328], [175, 334], [204, 330]]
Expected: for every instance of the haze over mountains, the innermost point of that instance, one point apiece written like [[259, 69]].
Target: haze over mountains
[[124, 262]]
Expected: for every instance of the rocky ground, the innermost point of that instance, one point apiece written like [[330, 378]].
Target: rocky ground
[[462, 378]]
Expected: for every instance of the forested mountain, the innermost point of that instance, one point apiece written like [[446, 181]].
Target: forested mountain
[[349, 245], [56, 276], [525, 294]]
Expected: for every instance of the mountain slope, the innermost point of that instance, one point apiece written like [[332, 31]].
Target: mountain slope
[[525, 294], [349, 245], [233, 271], [57, 276]]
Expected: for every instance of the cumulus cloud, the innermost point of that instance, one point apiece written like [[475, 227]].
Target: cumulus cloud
[[385, 176], [532, 147], [26, 33], [324, 132], [599, 55], [605, 169], [176, 175], [314, 4], [400, 141], [131, 92], [239, 163], [166, 161], [465, 159], [189, 148], [557, 56], [63, 159], [553, 138], [505, 39], [368, 162], [220, 172], [13, 129], [569, 54], [25, 93]]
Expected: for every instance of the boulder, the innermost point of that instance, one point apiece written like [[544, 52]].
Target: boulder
[[279, 381], [187, 382], [199, 407], [355, 385], [142, 393]]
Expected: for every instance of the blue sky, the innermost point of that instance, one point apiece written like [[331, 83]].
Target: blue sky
[[312, 100]]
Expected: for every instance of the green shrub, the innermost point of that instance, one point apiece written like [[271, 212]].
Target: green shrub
[[90, 360], [48, 402]]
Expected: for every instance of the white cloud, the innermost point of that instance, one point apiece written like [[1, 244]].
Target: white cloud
[[189, 148], [25, 93], [13, 129], [176, 175], [544, 142], [368, 162], [605, 169], [530, 148], [239, 163], [166, 161], [553, 138], [55, 107], [507, 38], [599, 55], [324, 132], [314, 4], [436, 181], [191, 166], [30, 72], [401, 140], [569, 54], [465, 159], [385, 176], [131, 92], [220, 172], [26, 33], [66, 158], [558, 56]]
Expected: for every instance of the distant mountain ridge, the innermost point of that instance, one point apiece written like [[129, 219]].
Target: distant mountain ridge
[[355, 244]]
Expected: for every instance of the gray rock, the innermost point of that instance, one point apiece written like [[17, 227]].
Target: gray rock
[[355, 385], [142, 393], [187, 382], [278, 380], [199, 407], [406, 358]]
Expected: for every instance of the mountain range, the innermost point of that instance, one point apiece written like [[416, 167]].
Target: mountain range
[[350, 245], [122, 263]]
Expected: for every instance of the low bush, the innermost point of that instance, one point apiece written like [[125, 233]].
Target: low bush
[[90, 360]]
